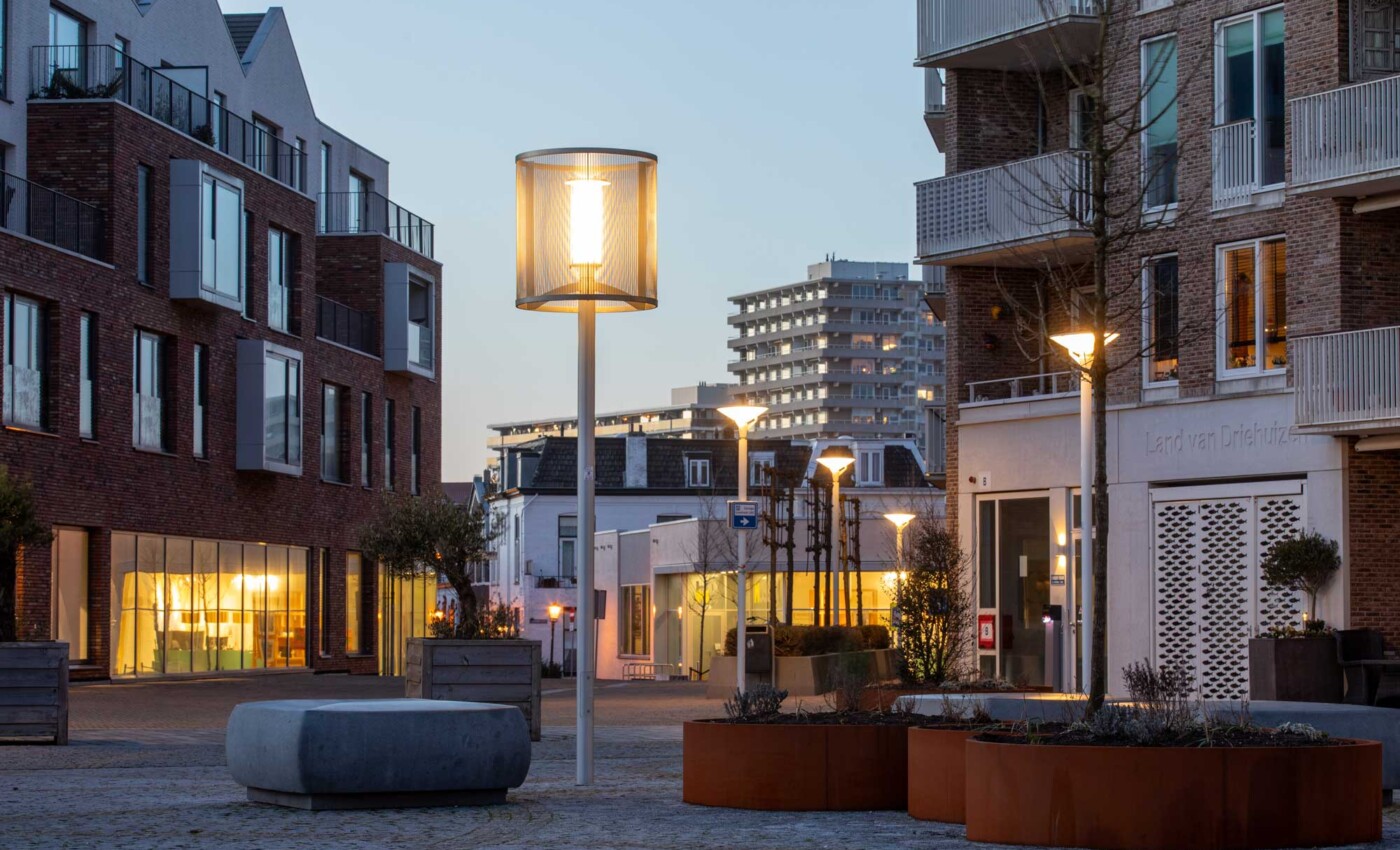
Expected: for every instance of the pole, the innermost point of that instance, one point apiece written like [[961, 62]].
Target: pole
[[1086, 528], [552, 621], [583, 636], [834, 544], [741, 572], [898, 575]]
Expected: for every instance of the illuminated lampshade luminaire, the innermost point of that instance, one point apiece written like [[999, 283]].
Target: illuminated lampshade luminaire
[[899, 521], [742, 415], [1080, 346], [585, 242], [555, 611], [836, 458]]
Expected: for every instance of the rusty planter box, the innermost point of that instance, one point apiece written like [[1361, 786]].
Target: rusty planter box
[[34, 690], [504, 672], [795, 767], [1174, 798], [938, 774]]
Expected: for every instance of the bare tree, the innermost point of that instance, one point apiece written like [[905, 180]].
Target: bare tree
[[712, 553]]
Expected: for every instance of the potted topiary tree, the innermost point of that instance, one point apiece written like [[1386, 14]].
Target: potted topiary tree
[[1292, 663], [33, 671]]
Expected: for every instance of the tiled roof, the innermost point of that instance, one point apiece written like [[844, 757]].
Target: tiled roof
[[242, 28]]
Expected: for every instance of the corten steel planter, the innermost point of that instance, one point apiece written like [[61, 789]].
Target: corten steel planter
[[1295, 669], [1174, 798], [795, 767], [938, 774]]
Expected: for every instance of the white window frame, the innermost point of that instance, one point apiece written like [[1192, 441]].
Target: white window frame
[[1076, 130], [870, 467], [1223, 370], [332, 450], [757, 463], [1218, 84], [279, 294], [38, 337], [697, 471], [568, 548], [1143, 69], [1148, 381], [144, 389]]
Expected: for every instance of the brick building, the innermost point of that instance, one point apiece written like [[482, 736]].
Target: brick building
[[220, 346], [1246, 403]]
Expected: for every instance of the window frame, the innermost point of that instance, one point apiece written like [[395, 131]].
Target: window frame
[[145, 178], [1255, 17], [389, 414], [758, 461], [627, 606], [140, 372], [87, 372], [39, 348], [569, 542], [694, 464], [366, 440], [1143, 119], [863, 478], [200, 403], [1149, 381], [287, 460], [1223, 370], [332, 431], [415, 443], [279, 265], [213, 181]]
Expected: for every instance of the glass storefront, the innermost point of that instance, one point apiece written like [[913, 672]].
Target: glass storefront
[[406, 608], [183, 605]]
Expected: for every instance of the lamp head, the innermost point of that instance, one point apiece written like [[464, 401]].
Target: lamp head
[[836, 458], [743, 415], [1080, 346], [554, 612], [900, 520]]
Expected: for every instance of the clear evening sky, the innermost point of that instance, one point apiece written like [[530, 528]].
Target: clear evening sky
[[786, 129]]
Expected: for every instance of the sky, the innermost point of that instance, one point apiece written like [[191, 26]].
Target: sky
[[786, 130]]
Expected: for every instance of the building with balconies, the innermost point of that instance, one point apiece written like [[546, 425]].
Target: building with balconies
[[852, 350], [220, 346], [1245, 404]]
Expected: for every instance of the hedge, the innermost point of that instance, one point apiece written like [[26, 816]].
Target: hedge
[[820, 640]]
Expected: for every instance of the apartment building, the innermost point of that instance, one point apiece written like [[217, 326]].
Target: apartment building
[[220, 346], [1271, 139], [853, 350]]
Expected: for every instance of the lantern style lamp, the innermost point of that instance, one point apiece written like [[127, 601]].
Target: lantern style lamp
[[836, 458], [743, 416], [585, 243]]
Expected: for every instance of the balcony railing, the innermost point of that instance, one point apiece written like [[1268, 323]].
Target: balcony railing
[[345, 326], [1348, 139], [420, 344], [951, 30], [1347, 381], [1234, 173], [48, 216], [1006, 206], [101, 72], [935, 107], [1049, 385], [371, 212]]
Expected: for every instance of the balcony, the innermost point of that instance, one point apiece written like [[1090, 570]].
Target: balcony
[[410, 310], [1005, 34], [345, 326], [352, 213], [935, 108], [50, 217], [1023, 388], [101, 72], [1347, 383], [1346, 142], [1007, 215]]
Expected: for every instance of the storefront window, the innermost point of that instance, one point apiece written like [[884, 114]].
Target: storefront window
[[636, 620]]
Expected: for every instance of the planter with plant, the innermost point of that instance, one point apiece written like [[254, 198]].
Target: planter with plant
[[476, 656], [1158, 772], [1298, 663], [938, 764]]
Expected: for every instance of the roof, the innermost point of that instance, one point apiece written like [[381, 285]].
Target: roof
[[242, 28]]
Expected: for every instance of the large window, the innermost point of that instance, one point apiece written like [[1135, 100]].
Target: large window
[[147, 391], [143, 224], [222, 241], [415, 443], [636, 620], [325, 184], [388, 444], [1161, 320], [568, 547], [1159, 121], [4, 34], [282, 397], [195, 606], [279, 280], [265, 146], [366, 438], [201, 400], [355, 621], [1375, 26], [87, 372], [1249, 84], [26, 348], [1253, 292], [332, 463]]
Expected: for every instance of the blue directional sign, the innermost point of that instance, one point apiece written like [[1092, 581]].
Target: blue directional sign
[[743, 515]]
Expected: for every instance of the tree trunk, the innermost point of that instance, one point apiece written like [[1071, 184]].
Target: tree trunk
[[1100, 163], [9, 574], [790, 532], [467, 614]]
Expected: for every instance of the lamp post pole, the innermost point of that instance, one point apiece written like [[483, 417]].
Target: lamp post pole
[[741, 603], [1086, 528], [583, 649]]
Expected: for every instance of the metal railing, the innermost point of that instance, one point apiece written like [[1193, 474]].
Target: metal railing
[[48, 216], [1005, 204], [371, 212], [1234, 168], [934, 103], [101, 72], [949, 25], [556, 581], [1350, 378], [1048, 385], [1346, 132], [420, 344], [345, 325]]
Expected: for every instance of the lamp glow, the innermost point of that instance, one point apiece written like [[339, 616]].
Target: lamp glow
[[554, 611], [586, 222], [836, 459], [743, 415], [1080, 346], [900, 520]]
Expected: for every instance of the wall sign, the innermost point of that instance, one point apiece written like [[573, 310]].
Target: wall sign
[[986, 631]]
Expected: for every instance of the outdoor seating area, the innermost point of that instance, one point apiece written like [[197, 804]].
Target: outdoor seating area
[[1370, 678]]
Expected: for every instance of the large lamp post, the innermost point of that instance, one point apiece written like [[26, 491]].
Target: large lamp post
[[555, 610], [899, 521], [742, 416], [585, 243], [836, 458], [1080, 348]]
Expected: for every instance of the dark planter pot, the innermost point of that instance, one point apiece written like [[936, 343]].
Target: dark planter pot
[[795, 768], [34, 690], [938, 774], [1174, 798], [1295, 669]]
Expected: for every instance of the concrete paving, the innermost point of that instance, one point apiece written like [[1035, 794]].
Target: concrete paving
[[146, 770]]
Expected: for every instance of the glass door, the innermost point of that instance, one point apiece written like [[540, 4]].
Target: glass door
[[1014, 562]]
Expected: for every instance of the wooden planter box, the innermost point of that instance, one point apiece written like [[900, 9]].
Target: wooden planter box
[[938, 774], [1295, 669], [795, 768], [801, 675], [1174, 798], [34, 690], [505, 672]]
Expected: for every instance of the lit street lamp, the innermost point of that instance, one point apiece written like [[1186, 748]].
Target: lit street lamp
[[585, 242], [1080, 347], [899, 521], [743, 416], [554, 611], [836, 458]]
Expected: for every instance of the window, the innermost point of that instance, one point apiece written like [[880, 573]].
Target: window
[[279, 280], [26, 361], [1159, 121], [860, 416], [568, 547], [366, 436], [325, 185], [223, 238], [298, 173], [216, 120], [282, 395], [862, 367], [265, 146], [760, 468], [354, 604], [636, 621], [1249, 85], [65, 31], [1081, 119], [870, 467], [148, 391], [201, 400], [388, 444], [1253, 293], [245, 295], [1375, 39], [332, 464], [87, 372], [415, 444], [120, 48], [862, 290], [323, 598], [862, 340], [697, 471], [4, 27], [357, 203], [1161, 321], [143, 224], [420, 323]]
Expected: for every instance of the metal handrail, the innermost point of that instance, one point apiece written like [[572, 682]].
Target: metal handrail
[[345, 325], [1046, 385], [50, 216], [371, 212]]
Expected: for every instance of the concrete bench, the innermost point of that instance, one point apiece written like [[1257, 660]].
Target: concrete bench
[[395, 753]]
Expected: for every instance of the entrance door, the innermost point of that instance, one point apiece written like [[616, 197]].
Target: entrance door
[[69, 556], [1014, 585]]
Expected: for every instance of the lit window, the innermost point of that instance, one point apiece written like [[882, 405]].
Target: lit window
[[636, 621], [1253, 291]]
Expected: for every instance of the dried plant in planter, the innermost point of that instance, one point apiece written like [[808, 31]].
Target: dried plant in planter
[[756, 703]]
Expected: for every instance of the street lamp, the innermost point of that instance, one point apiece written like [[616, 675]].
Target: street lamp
[[899, 521], [743, 416], [585, 242], [1080, 348], [555, 610], [836, 458]]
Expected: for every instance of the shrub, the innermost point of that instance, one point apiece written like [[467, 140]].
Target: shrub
[[1304, 563], [935, 608], [792, 641], [755, 703]]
